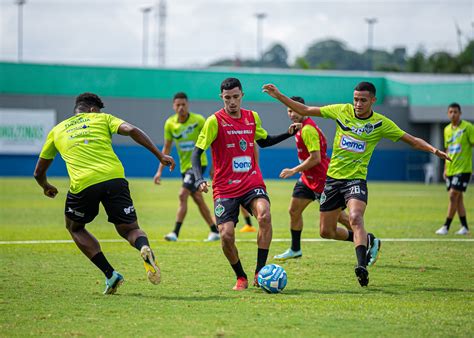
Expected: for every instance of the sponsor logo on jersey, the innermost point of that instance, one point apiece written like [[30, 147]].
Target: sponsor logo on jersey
[[243, 144], [129, 210], [241, 164], [454, 148], [186, 145], [239, 132], [351, 144], [230, 145]]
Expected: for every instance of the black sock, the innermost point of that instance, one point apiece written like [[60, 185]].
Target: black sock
[[261, 259], [141, 241], [214, 229], [239, 271], [463, 221], [448, 222], [248, 220], [177, 227], [350, 238], [103, 264], [361, 253], [296, 240]]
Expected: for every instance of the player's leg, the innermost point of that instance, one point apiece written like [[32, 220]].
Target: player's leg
[[198, 198], [118, 205], [227, 215], [248, 226], [344, 220], [452, 183], [180, 214], [464, 230], [297, 206]]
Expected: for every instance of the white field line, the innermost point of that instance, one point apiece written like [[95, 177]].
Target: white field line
[[69, 241]]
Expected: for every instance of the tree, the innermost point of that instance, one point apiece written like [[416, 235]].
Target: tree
[[443, 62], [276, 56]]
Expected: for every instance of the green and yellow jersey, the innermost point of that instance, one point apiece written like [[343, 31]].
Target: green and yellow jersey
[[355, 140], [185, 134], [458, 142], [85, 144]]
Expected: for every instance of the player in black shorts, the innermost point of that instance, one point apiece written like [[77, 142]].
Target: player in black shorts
[[97, 176]]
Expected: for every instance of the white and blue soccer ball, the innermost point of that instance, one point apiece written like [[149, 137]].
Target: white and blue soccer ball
[[272, 278]]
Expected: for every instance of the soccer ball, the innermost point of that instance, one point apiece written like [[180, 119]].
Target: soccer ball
[[272, 278]]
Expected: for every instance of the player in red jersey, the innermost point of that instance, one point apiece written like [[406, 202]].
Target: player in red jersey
[[311, 146], [231, 133]]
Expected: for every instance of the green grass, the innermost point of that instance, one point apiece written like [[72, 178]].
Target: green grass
[[416, 288]]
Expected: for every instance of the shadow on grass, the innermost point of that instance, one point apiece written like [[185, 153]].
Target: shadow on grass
[[440, 289], [406, 267], [179, 298]]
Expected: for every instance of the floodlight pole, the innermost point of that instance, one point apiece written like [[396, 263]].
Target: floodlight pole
[[260, 17], [145, 11], [370, 40], [20, 4]]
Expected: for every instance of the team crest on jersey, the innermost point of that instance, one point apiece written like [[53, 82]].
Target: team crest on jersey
[[368, 128], [322, 198], [219, 210], [243, 144]]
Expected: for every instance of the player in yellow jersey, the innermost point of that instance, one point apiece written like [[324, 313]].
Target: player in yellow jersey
[[84, 141], [458, 142], [359, 130]]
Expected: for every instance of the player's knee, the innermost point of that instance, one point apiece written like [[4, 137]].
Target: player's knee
[[293, 212], [326, 233], [226, 238], [356, 219], [72, 226], [183, 197], [454, 195], [264, 219]]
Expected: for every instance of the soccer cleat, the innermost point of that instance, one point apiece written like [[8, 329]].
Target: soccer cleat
[[373, 251], [171, 237], [288, 254], [212, 237], [152, 270], [255, 280], [362, 275], [442, 231], [462, 231], [248, 228], [241, 284], [112, 283]]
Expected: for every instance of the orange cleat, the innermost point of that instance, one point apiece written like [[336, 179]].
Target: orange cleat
[[248, 228], [242, 284]]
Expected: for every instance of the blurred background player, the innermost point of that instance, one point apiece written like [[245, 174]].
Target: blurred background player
[[458, 142], [359, 130], [311, 148], [231, 133], [97, 176], [183, 128]]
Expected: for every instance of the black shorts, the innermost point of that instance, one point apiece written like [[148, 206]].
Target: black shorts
[[458, 182], [189, 179], [114, 196], [227, 209], [338, 192], [301, 190]]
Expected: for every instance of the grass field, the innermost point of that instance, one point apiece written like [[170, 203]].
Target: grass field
[[418, 288]]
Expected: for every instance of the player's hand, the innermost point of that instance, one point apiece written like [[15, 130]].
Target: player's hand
[[271, 90], [442, 155], [203, 187], [157, 179], [287, 172], [168, 161], [294, 127], [50, 190]]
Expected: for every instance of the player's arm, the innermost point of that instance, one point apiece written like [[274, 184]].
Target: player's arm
[[40, 176], [143, 139], [271, 140], [166, 150], [313, 160], [421, 144], [298, 107], [200, 182]]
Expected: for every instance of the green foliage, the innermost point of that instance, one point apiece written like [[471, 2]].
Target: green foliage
[[416, 288]]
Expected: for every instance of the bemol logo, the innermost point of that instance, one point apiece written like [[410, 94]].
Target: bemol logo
[[351, 144], [241, 164]]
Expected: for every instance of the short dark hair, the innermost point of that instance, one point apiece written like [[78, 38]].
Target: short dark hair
[[298, 99], [180, 95], [230, 83], [455, 105], [366, 87], [86, 101]]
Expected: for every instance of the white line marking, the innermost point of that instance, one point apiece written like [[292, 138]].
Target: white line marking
[[70, 241]]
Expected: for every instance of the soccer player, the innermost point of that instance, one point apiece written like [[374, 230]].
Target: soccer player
[[358, 131], [458, 142], [231, 133], [183, 128], [311, 148], [97, 176]]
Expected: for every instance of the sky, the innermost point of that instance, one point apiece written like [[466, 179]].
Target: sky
[[198, 32]]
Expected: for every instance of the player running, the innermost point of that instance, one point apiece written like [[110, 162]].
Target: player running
[[311, 150], [97, 176], [183, 128], [358, 131], [458, 142], [231, 133]]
